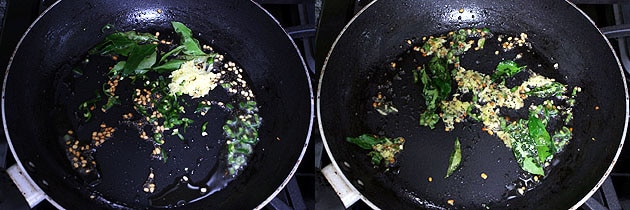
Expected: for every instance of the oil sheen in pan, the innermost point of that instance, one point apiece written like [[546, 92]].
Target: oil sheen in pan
[[426, 152], [195, 167]]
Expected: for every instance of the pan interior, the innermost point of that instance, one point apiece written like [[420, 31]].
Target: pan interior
[[417, 164], [360, 61], [125, 157]]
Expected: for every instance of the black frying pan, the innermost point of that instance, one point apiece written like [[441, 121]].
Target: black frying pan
[[559, 33], [37, 108]]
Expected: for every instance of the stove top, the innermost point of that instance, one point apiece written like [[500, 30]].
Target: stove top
[[309, 189]]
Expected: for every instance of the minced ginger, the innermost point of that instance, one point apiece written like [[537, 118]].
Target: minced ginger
[[192, 79]]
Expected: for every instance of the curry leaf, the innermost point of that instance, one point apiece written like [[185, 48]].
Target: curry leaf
[[140, 38], [444, 87], [174, 51], [122, 43], [117, 69], [436, 87], [191, 45], [141, 54], [505, 69], [148, 61], [455, 159], [541, 137], [169, 66], [366, 141], [531, 166]]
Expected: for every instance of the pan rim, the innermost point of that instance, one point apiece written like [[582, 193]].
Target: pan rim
[[625, 127], [259, 206], [372, 205], [311, 120], [318, 105], [4, 120]]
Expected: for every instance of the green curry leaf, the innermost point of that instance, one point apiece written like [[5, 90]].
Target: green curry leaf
[[174, 51], [191, 45], [540, 136], [530, 165], [505, 69], [122, 43], [140, 56], [117, 69], [366, 141], [173, 64], [455, 159]]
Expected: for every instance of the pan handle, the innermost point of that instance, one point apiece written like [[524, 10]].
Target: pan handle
[[346, 192], [31, 192]]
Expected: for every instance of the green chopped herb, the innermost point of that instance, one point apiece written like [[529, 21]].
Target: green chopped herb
[[561, 138], [429, 118], [376, 157], [242, 130], [548, 90], [111, 101], [107, 27], [186, 122], [77, 71], [481, 42], [88, 105], [486, 31], [157, 137], [229, 106], [203, 127], [178, 134], [459, 36], [416, 76], [164, 155]]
